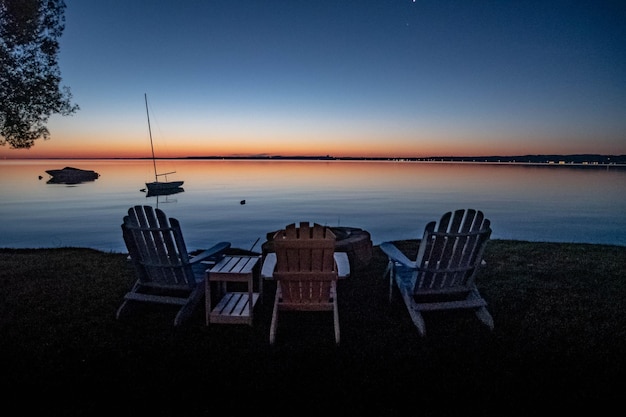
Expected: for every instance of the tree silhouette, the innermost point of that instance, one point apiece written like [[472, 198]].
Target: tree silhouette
[[30, 90]]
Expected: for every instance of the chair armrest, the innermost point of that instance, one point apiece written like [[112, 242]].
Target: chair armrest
[[269, 263], [394, 254], [214, 251], [341, 260], [343, 264]]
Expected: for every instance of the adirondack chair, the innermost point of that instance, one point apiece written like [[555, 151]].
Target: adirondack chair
[[305, 272], [443, 274], [166, 273]]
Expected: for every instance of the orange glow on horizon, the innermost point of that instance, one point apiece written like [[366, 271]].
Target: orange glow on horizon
[[125, 146]]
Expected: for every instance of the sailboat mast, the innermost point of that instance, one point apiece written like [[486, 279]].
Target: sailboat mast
[[156, 177]]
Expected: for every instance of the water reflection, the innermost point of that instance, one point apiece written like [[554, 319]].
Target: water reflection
[[67, 181], [164, 191], [391, 200]]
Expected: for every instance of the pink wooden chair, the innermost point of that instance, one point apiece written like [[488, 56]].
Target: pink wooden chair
[[305, 273]]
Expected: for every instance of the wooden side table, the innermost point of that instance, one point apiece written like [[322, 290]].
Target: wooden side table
[[233, 307]]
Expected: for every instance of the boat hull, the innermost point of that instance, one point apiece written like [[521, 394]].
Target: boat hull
[[160, 186], [70, 175], [166, 192]]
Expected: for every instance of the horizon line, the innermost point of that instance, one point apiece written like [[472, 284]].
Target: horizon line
[[528, 158]]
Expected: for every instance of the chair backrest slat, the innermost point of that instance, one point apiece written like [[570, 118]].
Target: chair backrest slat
[[450, 253], [157, 248], [305, 264]]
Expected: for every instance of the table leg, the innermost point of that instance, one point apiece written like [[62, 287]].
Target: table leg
[[207, 296]]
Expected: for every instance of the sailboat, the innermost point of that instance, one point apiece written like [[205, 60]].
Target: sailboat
[[160, 187]]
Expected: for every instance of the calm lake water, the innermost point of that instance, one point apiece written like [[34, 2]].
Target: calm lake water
[[391, 200]]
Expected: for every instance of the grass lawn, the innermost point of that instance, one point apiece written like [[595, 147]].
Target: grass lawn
[[559, 343]]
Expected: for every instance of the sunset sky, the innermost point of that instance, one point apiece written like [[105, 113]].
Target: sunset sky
[[398, 78]]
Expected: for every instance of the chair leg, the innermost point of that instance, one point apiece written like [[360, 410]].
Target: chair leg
[[482, 313], [416, 315], [418, 320], [128, 305], [274, 317], [195, 297], [484, 316], [123, 310], [336, 319], [389, 271]]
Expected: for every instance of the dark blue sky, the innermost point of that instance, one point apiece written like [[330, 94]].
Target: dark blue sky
[[360, 78]]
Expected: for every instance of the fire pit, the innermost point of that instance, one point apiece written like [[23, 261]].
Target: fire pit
[[357, 243]]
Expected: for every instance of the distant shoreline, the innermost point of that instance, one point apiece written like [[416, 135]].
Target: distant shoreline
[[578, 160]]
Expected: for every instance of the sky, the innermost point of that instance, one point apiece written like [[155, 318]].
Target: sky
[[360, 78]]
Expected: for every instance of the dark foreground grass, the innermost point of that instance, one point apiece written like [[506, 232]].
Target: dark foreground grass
[[559, 343]]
